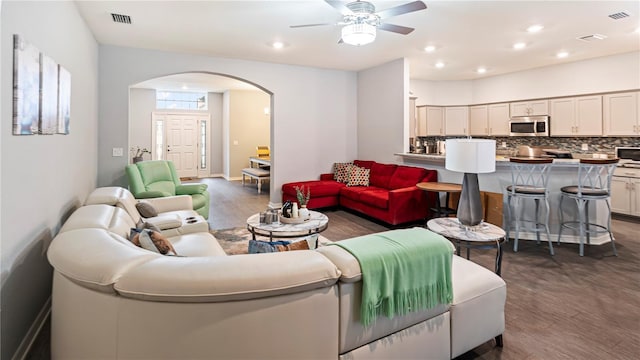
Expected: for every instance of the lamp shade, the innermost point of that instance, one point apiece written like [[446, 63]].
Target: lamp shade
[[358, 34], [471, 155]]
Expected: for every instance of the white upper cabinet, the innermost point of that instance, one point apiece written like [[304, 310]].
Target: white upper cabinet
[[435, 121], [489, 120], [456, 119], [413, 125], [530, 108], [621, 113], [579, 116], [499, 119], [421, 121], [478, 120]]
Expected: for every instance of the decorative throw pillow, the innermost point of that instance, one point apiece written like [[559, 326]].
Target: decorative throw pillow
[[152, 241], [341, 172], [358, 176], [146, 210], [258, 246]]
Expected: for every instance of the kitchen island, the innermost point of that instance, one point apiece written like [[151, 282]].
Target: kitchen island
[[564, 172]]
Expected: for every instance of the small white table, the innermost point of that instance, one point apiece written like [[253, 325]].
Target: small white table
[[481, 236], [317, 223]]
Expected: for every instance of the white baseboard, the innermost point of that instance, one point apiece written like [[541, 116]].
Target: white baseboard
[[34, 330]]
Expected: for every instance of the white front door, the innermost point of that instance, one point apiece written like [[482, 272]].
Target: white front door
[[182, 143]]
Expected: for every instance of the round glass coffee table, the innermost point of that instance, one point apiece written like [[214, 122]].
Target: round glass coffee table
[[317, 223]]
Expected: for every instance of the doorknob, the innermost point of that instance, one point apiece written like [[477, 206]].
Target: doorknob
[[168, 148]]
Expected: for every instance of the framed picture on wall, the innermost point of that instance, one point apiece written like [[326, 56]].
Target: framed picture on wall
[[48, 96], [64, 100], [26, 87]]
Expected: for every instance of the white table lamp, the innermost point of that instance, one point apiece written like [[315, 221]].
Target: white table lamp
[[471, 157]]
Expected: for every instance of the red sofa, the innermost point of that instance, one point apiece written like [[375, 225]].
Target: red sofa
[[392, 195]]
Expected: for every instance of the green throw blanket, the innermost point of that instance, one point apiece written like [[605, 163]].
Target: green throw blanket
[[402, 271]]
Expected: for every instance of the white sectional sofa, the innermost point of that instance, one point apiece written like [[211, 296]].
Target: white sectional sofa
[[113, 300]]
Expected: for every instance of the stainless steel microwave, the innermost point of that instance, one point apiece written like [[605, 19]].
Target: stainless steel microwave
[[529, 126]]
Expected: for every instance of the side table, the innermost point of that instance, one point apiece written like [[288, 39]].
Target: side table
[[482, 236], [439, 187]]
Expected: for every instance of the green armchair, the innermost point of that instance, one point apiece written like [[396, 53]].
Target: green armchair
[[158, 178]]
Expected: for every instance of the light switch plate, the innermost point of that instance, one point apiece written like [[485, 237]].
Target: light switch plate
[[117, 152], [235, 142]]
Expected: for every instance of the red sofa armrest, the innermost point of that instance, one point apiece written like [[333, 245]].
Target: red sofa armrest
[[326, 176]]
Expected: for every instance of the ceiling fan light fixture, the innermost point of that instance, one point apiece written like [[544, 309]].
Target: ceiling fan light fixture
[[358, 34]]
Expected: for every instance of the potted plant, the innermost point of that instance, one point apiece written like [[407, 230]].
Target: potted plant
[[138, 154], [303, 199]]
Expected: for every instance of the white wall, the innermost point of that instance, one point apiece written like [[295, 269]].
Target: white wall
[[215, 109], [443, 93], [383, 108], [313, 110], [44, 177], [604, 74], [610, 73], [248, 128]]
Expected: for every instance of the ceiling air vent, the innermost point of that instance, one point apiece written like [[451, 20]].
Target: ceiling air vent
[[592, 37], [123, 19], [619, 15]]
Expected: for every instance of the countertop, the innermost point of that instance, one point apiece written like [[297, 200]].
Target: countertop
[[500, 159]]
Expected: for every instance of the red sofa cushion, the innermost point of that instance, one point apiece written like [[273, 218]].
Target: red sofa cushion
[[381, 174], [364, 163], [406, 176], [354, 192], [376, 197], [318, 188]]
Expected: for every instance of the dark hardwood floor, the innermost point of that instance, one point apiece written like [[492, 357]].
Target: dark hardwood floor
[[560, 307]]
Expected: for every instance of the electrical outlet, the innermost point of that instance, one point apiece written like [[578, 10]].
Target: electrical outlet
[[585, 147], [117, 152], [504, 144]]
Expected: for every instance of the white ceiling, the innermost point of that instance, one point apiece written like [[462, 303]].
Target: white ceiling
[[467, 34]]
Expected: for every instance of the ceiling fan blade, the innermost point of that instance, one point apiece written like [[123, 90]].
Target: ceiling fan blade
[[395, 28], [340, 6], [402, 9], [308, 25]]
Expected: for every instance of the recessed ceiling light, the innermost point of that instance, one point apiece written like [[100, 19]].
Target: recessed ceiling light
[[440, 65], [185, 87], [638, 30], [481, 70], [562, 54], [277, 44], [519, 46], [535, 28], [430, 48]]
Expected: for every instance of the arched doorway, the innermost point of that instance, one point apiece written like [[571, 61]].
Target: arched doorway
[[232, 116]]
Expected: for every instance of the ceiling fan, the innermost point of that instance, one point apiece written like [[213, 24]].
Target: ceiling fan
[[361, 20]]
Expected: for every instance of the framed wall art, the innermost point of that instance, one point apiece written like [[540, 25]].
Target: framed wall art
[[26, 87], [64, 100]]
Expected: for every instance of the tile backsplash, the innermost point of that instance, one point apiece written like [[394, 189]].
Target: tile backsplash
[[604, 145]]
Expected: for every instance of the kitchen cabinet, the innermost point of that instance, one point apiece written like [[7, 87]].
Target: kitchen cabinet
[[489, 120], [456, 120], [577, 116], [478, 120], [529, 108], [621, 114], [412, 117], [430, 120], [625, 192]]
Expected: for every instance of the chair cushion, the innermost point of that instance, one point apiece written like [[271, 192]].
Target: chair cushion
[[199, 200], [521, 189], [589, 191], [406, 176], [381, 174]]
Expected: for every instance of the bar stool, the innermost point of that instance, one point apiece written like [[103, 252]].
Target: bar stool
[[594, 183], [529, 178]]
